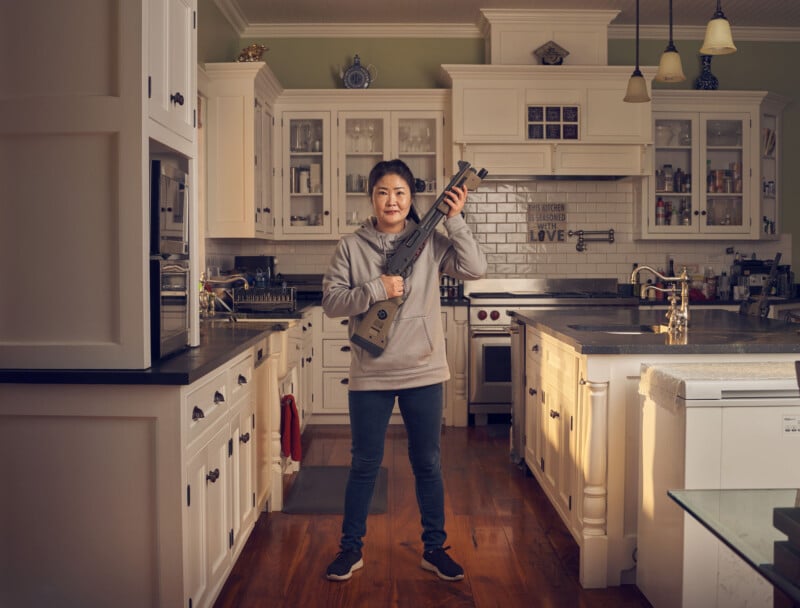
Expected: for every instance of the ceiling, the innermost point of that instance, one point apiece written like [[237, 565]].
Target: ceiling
[[741, 13]]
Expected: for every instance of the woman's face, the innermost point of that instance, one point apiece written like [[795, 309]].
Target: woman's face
[[391, 201]]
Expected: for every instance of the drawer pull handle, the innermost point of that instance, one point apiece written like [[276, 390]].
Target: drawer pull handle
[[244, 438], [554, 414], [308, 359], [344, 381], [535, 348], [219, 397], [197, 413], [212, 476], [344, 322], [532, 391], [242, 379], [345, 349]]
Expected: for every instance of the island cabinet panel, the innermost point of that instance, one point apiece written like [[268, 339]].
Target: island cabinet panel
[[583, 413], [157, 510]]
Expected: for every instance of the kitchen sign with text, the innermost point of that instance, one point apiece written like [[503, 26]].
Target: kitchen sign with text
[[546, 222]]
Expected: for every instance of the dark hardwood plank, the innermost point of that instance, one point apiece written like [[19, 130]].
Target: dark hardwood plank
[[514, 548]]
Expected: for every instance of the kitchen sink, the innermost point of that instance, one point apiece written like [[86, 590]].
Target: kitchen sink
[[625, 330]]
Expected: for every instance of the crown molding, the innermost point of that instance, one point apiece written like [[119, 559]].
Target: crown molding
[[231, 11], [698, 32], [360, 30]]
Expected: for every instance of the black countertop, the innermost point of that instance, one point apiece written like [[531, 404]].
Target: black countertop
[[219, 342], [602, 330]]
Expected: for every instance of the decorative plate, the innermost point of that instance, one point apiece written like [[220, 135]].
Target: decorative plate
[[356, 76]]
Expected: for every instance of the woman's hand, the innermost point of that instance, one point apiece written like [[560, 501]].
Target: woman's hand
[[456, 197], [393, 285]]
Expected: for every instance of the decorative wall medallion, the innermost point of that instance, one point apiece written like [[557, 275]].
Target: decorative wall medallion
[[551, 53]]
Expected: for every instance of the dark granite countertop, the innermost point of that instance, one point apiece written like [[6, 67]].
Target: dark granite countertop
[[219, 342], [602, 330]]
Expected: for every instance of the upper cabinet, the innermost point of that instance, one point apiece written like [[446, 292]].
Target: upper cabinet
[[172, 49], [715, 166], [545, 120], [88, 119], [330, 140], [240, 122]]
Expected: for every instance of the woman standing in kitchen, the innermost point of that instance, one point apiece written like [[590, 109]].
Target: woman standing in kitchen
[[413, 366]]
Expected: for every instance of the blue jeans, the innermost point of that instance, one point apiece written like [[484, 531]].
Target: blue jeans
[[370, 411]]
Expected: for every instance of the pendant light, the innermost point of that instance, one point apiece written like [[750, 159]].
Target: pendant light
[[670, 68], [637, 85], [718, 40]]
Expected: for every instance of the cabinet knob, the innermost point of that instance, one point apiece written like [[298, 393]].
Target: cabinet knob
[[554, 414], [344, 322], [219, 397], [535, 348], [344, 381], [197, 413], [267, 210], [532, 391], [212, 476], [308, 359], [176, 98], [242, 379], [326, 213], [244, 438], [345, 349]]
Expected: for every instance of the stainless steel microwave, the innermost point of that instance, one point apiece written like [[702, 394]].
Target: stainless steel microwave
[[169, 209]]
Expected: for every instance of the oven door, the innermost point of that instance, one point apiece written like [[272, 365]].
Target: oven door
[[490, 366]]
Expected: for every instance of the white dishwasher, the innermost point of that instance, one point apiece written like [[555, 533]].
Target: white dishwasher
[[709, 426]]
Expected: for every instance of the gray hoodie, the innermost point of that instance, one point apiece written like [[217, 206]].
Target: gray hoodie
[[415, 353]]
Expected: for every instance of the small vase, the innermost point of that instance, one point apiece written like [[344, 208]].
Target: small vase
[[706, 81]]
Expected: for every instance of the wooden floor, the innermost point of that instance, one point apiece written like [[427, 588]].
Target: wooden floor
[[514, 548]]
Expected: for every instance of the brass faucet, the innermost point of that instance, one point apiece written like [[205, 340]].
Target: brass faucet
[[677, 315]]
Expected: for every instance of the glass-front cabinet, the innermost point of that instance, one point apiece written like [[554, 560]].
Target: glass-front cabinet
[[713, 175], [306, 173], [698, 183], [419, 145]]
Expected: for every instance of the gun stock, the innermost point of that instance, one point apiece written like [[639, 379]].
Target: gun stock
[[372, 332]]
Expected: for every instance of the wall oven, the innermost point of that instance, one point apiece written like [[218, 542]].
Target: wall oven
[[491, 367], [170, 283]]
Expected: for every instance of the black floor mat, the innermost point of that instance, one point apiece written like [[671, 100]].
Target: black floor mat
[[320, 490]]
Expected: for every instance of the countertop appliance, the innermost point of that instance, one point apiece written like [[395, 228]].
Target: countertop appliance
[[710, 426], [491, 364]]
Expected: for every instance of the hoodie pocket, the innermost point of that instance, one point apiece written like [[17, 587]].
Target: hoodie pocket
[[409, 347]]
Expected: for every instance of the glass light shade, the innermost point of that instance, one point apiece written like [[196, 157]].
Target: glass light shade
[[637, 89], [719, 39], [670, 68]]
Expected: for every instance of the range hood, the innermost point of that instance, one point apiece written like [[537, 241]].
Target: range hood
[[524, 120]]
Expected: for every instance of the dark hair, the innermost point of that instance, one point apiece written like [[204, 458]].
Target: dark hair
[[399, 168]]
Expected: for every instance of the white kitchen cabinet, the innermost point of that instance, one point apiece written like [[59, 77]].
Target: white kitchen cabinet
[[86, 117], [534, 436], [172, 49], [708, 163], [456, 332], [240, 196], [332, 139]]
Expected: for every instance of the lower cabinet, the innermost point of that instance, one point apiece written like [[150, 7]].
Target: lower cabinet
[[154, 483]]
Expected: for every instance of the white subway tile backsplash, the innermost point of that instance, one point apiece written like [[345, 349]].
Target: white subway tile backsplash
[[498, 216]]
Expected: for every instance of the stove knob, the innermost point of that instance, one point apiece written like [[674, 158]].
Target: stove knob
[[481, 315], [494, 315]]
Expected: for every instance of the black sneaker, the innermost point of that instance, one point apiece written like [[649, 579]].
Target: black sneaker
[[442, 564], [343, 566]]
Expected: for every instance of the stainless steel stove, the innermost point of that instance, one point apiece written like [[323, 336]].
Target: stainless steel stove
[[492, 365]]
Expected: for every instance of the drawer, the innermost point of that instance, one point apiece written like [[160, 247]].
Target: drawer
[[206, 404], [334, 392], [241, 377], [337, 325], [336, 353]]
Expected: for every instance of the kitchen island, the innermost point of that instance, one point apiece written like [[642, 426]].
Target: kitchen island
[[582, 411], [139, 487]]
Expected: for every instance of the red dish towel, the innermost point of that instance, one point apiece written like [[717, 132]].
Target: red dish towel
[[290, 429]]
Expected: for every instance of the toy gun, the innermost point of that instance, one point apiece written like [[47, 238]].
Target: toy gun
[[373, 330]]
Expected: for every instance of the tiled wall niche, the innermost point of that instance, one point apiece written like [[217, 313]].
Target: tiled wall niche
[[497, 213]]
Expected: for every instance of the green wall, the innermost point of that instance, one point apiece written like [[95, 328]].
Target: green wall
[[302, 63]]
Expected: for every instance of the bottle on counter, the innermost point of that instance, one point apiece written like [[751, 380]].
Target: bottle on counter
[[724, 287], [671, 268]]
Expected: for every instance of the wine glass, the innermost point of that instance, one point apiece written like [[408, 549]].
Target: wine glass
[[371, 137]]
